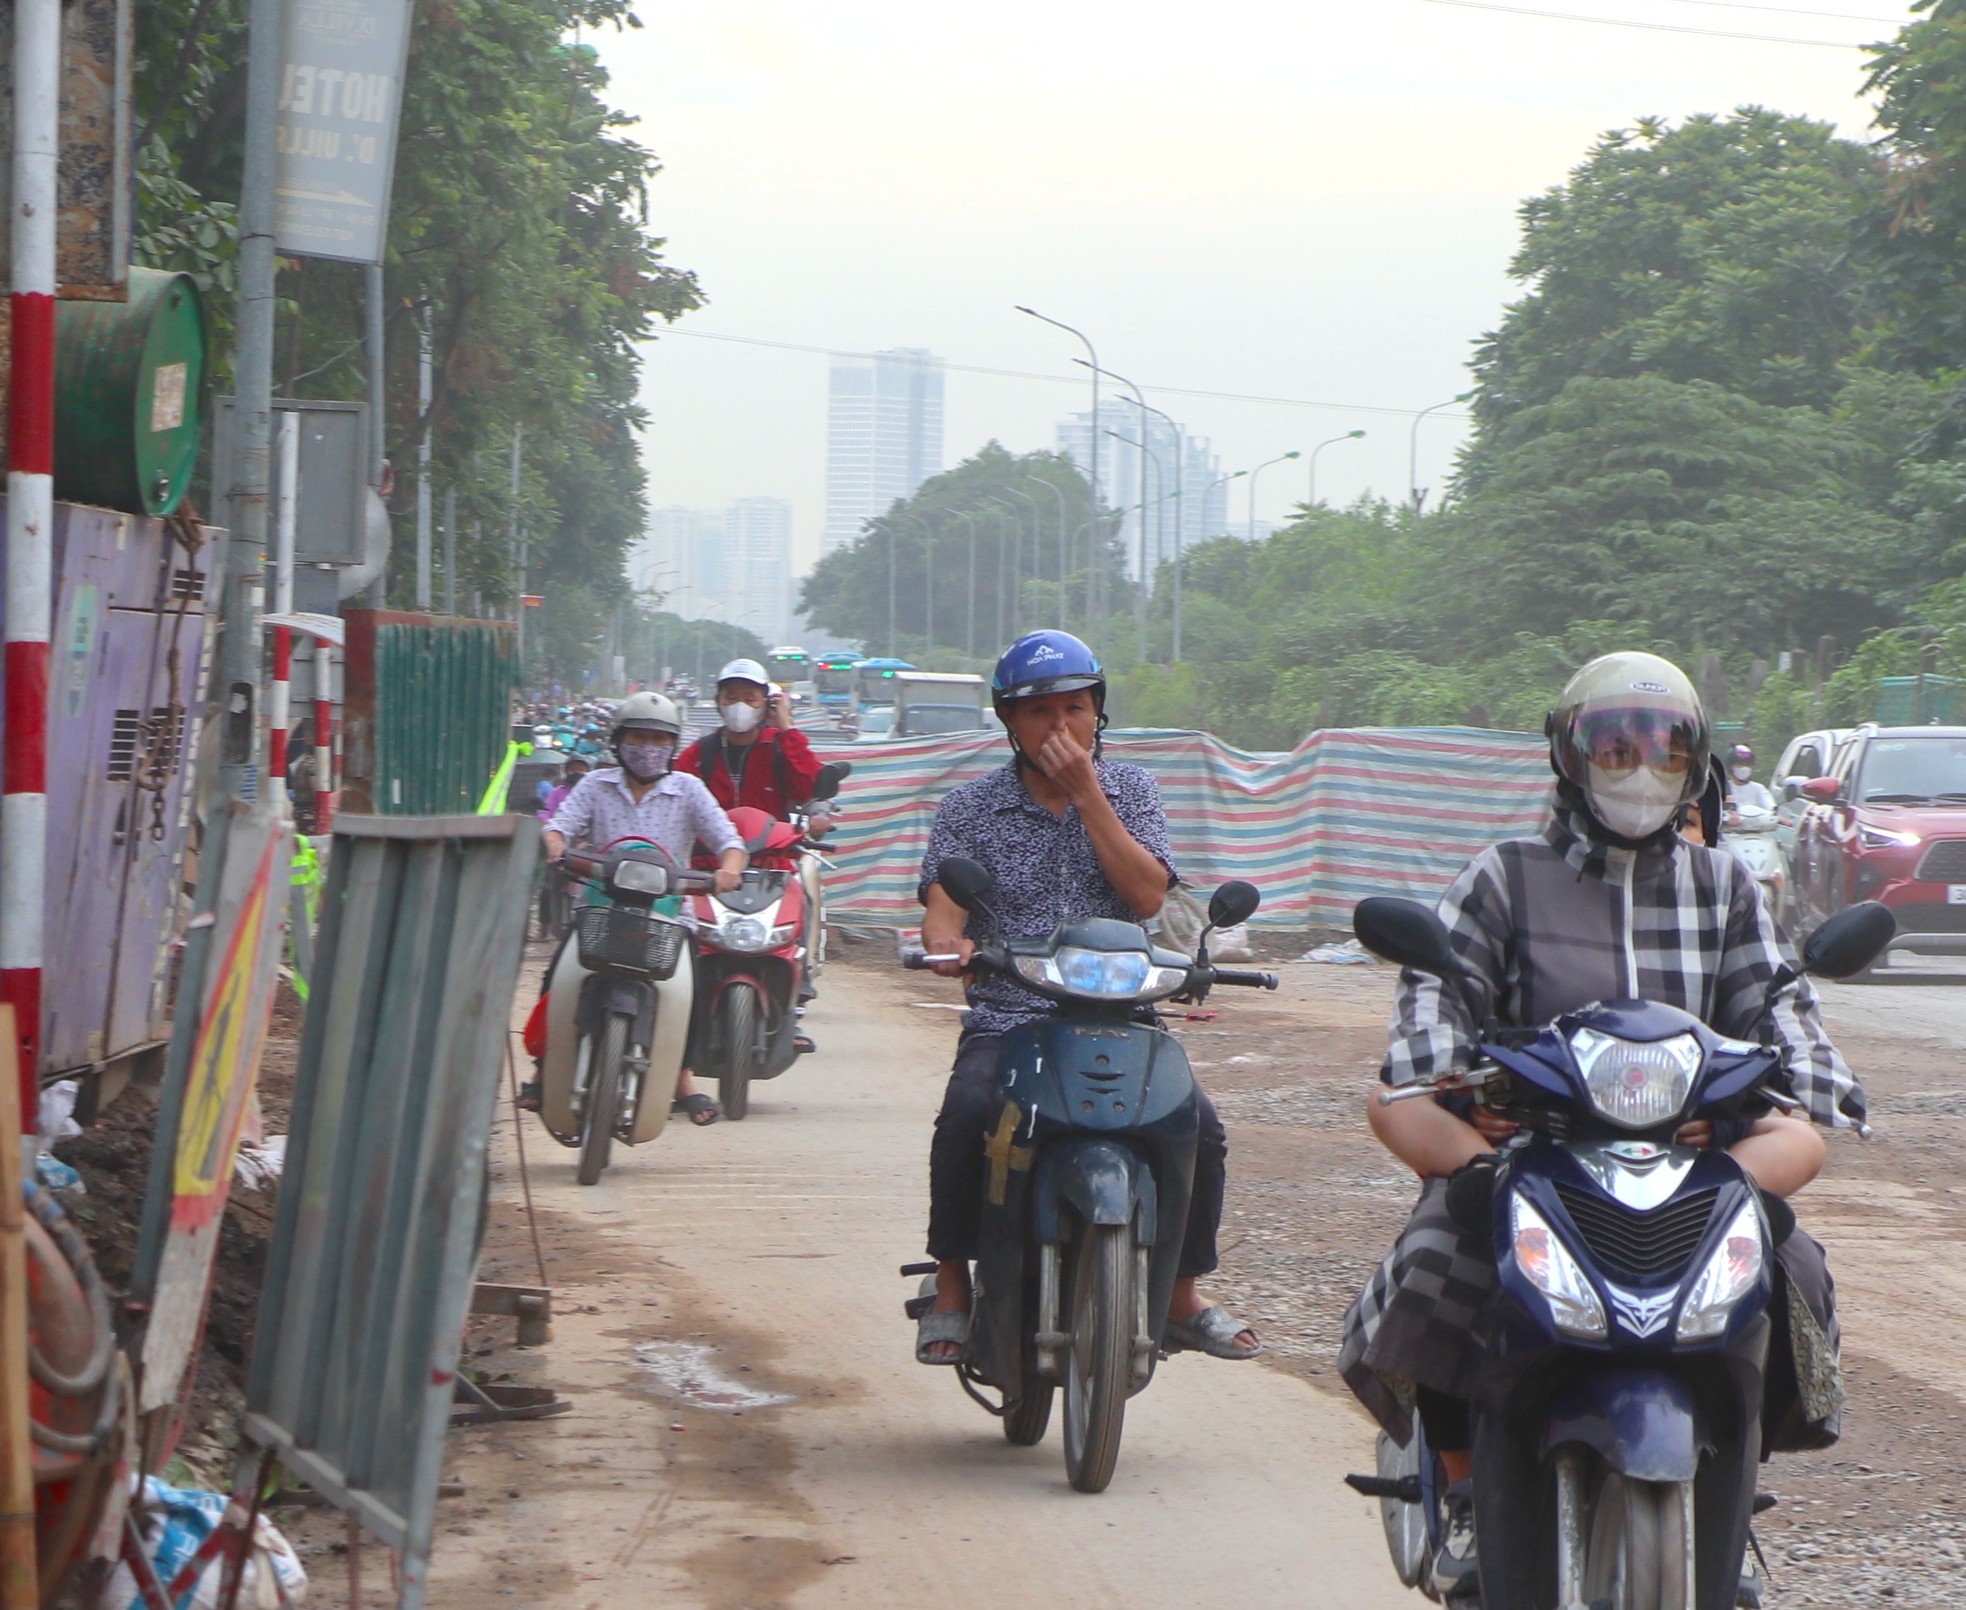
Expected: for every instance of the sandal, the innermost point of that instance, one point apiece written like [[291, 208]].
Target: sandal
[[701, 1110], [1213, 1331], [950, 1325], [528, 1098]]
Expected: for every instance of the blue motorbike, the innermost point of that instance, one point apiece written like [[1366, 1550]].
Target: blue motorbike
[[1617, 1414], [1092, 1165]]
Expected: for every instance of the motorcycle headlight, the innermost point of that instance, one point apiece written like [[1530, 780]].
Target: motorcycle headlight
[[1547, 1265], [1103, 975], [643, 877], [783, 933], [743, 933], [1636, 1083], [1729, 1276]]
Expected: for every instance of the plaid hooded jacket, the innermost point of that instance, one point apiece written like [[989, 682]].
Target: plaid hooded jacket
[[1551, 924]]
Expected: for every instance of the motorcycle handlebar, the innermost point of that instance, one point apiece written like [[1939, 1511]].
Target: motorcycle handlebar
[[1245, 977]]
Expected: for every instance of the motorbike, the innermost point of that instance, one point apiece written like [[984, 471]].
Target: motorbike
[[618, 1007], [1617, 1412], [1091, 1168], [756, 948], [1750, 835]]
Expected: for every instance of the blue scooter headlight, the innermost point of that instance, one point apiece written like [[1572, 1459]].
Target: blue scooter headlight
[[1547, 1265], [1102, 975], [1636, 1083], [1729, 1276]]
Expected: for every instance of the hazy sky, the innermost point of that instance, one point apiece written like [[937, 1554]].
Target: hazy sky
[[1309, 199]]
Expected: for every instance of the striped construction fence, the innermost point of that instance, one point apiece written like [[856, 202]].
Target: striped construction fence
[[1348, 813]]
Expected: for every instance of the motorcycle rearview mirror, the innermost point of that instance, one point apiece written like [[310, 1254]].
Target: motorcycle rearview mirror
[[831, 775], [965, 882], [1235, 902], [1406, 932], [1850, 941]]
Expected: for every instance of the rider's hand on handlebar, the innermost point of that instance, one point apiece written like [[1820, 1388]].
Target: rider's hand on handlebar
[[961, 947], [726, 878], [1492, 1125], [1698, 1134]]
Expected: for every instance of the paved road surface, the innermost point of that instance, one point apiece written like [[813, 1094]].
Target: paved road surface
[[775, 1243]]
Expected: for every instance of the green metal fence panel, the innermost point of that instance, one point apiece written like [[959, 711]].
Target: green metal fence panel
[[1917, 701], [428, 701]]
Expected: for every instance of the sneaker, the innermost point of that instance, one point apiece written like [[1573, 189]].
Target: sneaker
[[1455, 1566]]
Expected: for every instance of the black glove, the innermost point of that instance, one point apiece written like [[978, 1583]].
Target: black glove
[[1471, 1194]]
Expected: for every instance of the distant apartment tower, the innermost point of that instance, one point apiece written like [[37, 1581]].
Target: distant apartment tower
[[1176, 462], [883, 436], [732, 564]]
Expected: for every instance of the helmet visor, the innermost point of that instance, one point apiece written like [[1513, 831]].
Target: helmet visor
[[1616, 741]]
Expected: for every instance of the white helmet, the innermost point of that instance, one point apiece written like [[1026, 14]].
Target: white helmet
[[1629, 733], [744, 671], [646, 712]]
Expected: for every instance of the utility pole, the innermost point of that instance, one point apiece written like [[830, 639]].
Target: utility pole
[[245, 565], [423, 390], [450, 550], [518, 548]]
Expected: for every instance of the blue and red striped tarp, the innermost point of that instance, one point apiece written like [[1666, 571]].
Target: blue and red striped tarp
[[1348, 813]]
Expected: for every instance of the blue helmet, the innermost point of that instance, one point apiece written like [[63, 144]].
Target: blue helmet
[[1047, 662]]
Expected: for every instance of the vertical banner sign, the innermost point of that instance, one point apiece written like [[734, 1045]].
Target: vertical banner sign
[[341, 92], [220, 1075]]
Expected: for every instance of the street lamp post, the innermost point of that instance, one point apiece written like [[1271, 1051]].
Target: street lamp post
[[1281, 458], [1091, 602], [1160, 480], [1037, 560], [1413, 444], [1037, 570], [968, 518], [1349, 436], [1180, 452]]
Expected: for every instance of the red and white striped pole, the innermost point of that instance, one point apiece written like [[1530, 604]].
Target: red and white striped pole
[[30, 529], [323, 735], [279, 704]]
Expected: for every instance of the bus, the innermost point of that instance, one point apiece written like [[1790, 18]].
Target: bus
[[873, 680], [832, 676], [791, 669]]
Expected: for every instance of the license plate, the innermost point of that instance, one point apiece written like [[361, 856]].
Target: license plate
[[1956, 894]]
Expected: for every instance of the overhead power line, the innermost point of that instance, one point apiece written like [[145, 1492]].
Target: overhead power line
[[1064, 380], [1794, 11], [1648, 27]]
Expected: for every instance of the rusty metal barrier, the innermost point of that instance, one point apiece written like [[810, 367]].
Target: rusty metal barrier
[[369, 1276]]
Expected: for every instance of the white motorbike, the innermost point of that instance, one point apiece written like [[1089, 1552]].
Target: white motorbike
[[1750, 835]]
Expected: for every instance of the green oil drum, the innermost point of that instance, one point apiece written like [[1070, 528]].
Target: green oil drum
[[130, 394]]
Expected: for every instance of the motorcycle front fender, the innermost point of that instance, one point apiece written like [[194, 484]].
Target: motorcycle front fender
[[1643, 1423], [1101, 1180]]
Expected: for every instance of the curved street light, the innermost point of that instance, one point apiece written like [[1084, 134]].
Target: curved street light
[[1093, 353], [1037, 567], [1413, 444], [1349, 436], [1281, 458]]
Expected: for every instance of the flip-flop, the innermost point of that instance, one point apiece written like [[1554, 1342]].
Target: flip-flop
[[702, 1110], [949, 1325], [1213, 1331]]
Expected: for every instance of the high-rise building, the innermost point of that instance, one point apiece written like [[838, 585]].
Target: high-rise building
[[732, 564], [1184, 482], [883, 436]]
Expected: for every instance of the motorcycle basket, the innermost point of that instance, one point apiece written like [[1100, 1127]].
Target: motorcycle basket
[[612, 937]]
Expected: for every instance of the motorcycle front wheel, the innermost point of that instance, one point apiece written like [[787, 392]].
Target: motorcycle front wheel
[[1099, 1357], [1024, 1421], [739, 1010], [1640, 1546], [603, 1104]]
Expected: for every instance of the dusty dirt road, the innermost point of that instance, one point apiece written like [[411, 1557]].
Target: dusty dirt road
[[774, 1243], [765, 1254]]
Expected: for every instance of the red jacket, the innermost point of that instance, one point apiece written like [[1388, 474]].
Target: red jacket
[[779, 770]]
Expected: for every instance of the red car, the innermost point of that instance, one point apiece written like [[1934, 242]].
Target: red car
[[1888, 822]]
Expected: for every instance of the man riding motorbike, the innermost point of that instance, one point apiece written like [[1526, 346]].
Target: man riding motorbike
[[642, 797], [1609, 902], [757, 757], [1066, 835], [1743, 792]]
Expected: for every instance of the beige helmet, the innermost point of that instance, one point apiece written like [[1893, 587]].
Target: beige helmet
[[1629, 733], [646, 712]]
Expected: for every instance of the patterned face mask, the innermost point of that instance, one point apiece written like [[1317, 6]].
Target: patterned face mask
[[644, 762]]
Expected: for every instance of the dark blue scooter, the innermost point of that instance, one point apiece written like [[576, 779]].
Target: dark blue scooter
[[1091, 1166], [1617, 1415]]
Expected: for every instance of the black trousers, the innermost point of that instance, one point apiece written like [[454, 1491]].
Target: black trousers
[[958, 1170]]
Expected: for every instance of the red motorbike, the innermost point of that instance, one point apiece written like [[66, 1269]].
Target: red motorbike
[[754, 949]]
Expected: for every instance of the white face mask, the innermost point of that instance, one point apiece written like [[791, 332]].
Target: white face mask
[[1743, 774], [741, 717], [1633, 804]]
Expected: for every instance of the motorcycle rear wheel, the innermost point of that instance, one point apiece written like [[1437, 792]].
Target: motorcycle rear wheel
[[739, 1010], [1024, 1421], [1639, 1546], [603, 1104], [1099, 1357]]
